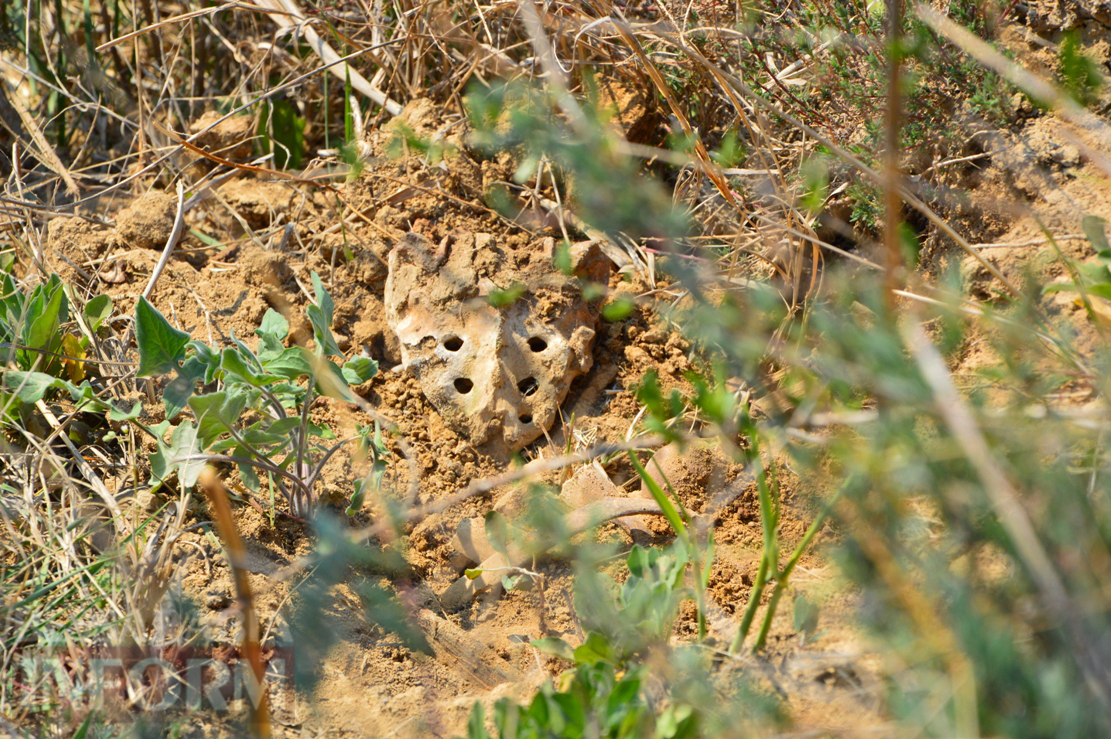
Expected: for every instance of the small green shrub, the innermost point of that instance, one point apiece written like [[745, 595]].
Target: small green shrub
[[258, 419], [35, 340]]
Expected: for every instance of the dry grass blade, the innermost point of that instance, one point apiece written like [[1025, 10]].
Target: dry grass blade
[[288, 16], [85, 468], [171, 242], [43, 149], [179, 18], [711, 168], [876, 177], [237, 558]]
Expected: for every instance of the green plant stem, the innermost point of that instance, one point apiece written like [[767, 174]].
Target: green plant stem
[[260, 463], [753, 602], [782, 578], [769, 517], [273, 399], [303, 429], [665, 504], [703, 566], [311, 481]]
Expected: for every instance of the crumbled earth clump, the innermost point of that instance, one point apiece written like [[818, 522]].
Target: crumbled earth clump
[[147, 223]]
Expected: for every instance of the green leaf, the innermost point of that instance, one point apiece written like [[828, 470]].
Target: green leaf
[[332, 383], [273, 324], [208, 357], [476, 724], [661, 498], [497, 532], [320, 316], [178, 391], [555, 646], [322, 432], [323, 299], [118, 415], [805, 616], [596, 649], [1094, 228], [187, 454], [258, 437], [359, 369], [356, 499], [31, 387], [248, 473], [217, 414], [97, 311], [618, 309], [472, 573], [1080, 75], [232, 362], [1102, 289], [291, 364], [507, 297], [161, 346], [562, 258], [47, 311], [271, 332]]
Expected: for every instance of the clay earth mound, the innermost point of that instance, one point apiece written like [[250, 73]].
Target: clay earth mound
[[494, 337]]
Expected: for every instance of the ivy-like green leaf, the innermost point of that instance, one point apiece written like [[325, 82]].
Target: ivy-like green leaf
[[97, 311], [273, 324], [31, 387], [161, 346], [187, 458], [177, 393], [232, 362], [216, 414], [359, 369], [119, 415], [291, 364]]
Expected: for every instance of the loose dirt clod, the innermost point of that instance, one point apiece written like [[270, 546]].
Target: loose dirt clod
[[494, 357], [147, 223]]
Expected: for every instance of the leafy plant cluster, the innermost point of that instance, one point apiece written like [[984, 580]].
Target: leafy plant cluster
[[616, 687], [256, 414], [38, 350], [926, 495], [975, 530]]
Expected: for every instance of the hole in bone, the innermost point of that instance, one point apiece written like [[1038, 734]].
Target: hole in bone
[[524, 418], [528, 386], [463, 385], [453, 343], [537, 344]]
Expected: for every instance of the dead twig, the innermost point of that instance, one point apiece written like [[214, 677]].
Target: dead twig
[[287, 15]]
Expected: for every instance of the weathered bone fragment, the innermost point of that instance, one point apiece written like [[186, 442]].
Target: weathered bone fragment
[[497, 374]]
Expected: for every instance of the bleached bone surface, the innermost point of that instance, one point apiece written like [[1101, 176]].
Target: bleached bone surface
[[496, 375]]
